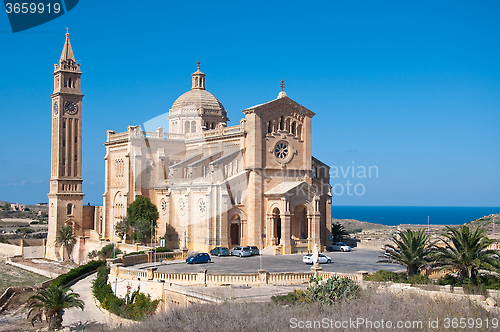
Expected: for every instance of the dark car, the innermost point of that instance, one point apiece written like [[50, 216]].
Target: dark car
[[202, 257], [220, 251], [254, 250]]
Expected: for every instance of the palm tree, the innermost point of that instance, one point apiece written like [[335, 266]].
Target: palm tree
[[338, 231], [52, 302], [410, 248], [67, 239], [465, 250]]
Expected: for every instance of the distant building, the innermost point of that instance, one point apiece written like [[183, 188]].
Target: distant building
[[17, 207]]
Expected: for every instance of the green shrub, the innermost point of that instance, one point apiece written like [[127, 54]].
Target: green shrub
[[297, 296], [383, 276], [64, 279], [100, 286], [135, 307], [107, 251], [476, 285], [135, 253], [418, 279], [400, 277], [329, 291], [162, 249]]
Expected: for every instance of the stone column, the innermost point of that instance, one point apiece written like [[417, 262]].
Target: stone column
[[201, 277], [286, 232], [310, 238], [269, 230]]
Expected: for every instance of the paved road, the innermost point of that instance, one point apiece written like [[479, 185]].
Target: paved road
[[91, 313], [346, 262]]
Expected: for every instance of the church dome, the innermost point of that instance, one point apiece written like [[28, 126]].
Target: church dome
[[198, 98]]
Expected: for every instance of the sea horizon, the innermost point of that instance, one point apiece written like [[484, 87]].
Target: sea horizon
[[413, 215]]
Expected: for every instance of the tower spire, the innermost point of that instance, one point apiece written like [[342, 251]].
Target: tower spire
[[67, 53]]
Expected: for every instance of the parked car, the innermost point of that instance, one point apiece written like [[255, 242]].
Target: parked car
[[338, 246], [220, 251], [322, 259], [254, 250], [202, 257], [241, 251]]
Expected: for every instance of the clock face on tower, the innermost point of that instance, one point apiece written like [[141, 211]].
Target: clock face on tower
[[71, 108], [56, 108]]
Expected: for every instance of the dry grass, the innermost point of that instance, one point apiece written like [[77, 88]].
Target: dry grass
[[268, 317], [11, 276]]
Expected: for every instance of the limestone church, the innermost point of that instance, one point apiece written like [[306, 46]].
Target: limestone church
[[255, 183]]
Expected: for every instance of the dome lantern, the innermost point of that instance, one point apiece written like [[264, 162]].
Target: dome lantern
[[198, 79]]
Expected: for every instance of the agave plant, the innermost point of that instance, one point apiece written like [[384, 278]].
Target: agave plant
[[52, 302], [465, 251], [409, 248]]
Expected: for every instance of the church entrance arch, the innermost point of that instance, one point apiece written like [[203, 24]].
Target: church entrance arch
[[300, 227], [235, 229]]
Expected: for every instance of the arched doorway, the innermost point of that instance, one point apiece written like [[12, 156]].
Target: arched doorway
[[300, 229], [235, 229], [277, 225]]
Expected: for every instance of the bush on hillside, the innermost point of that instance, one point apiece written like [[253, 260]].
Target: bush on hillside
[[476, 285], [399, 277], [329, 291], [135, 307]]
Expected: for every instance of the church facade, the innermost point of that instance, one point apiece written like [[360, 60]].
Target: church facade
[[255, 183]]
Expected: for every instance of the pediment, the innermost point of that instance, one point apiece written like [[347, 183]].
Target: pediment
[[288, 189], [281, 106]]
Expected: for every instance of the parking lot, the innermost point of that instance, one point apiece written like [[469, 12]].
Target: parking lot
[[346, 262]]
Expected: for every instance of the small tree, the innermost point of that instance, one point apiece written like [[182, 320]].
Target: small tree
[[466, 251], [411, 249], [338, 231], [122, 228], [142, 209], [52, 302], [142, 216], [67, 239]]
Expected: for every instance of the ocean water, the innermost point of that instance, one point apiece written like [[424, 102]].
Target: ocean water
[[416, 215]]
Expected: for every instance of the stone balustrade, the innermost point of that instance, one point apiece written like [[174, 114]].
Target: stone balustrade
[[202, 278]]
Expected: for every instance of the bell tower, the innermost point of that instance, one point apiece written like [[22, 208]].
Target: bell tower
[[65, 196]]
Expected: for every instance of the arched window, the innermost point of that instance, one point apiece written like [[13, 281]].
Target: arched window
[[299, 131], [282, 122], [270, 127], [187, 127], [193, 127], [69, 83], [69, 209], [293, 128]]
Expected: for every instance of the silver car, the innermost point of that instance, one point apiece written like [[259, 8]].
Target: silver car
[[338, 246], [241, 251]]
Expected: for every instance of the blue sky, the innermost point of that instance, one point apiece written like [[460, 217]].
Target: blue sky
[[411, 87]]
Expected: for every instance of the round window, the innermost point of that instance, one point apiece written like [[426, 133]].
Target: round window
[[281, 150]]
